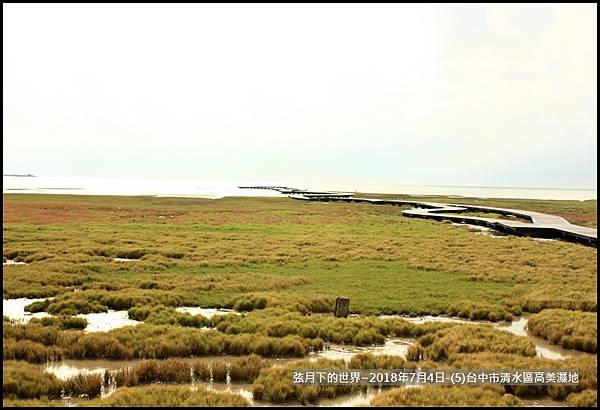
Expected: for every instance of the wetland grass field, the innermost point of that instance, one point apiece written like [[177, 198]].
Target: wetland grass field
[[278, 264]]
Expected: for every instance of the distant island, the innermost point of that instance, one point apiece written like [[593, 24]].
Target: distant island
[[18, 175]]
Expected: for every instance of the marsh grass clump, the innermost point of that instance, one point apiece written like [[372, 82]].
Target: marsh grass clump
[[575, 296], [96, 346], [275, 384], [96, 299], [427, 339], [219, 371], [29, 351], [587, 398], [33, 331], [315, 304], [287, 346], [169, 396], [370, 361], [154, 371], [568, 329], [33, 403], [472, 339], [442, 396], [83, 385], [25, 381], [247, 368], [415, 353], [152, 341], [184, 319], [16, 255], [73, 306], [39, 306], [303, 304], [587, 368], [65, 322], [480, 311], [248, 303], [141, 313], [130, 253], [243, 369]]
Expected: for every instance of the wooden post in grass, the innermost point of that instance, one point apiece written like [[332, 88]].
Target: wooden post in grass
[[342, 306]]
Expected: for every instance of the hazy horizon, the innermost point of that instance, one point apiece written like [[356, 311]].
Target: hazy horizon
[[442, 95], [300, 180]]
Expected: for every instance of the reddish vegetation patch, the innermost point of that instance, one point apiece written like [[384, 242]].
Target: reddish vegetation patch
[[209, 213], [44, 213], [49, 213], [225, 212]]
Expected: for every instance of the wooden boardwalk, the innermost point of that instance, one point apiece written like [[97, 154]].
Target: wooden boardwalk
[[540, 225]]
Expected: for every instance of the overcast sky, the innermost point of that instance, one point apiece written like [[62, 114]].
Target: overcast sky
[[498, 95]]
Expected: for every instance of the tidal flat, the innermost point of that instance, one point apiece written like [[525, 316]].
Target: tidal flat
[[272, 268]]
